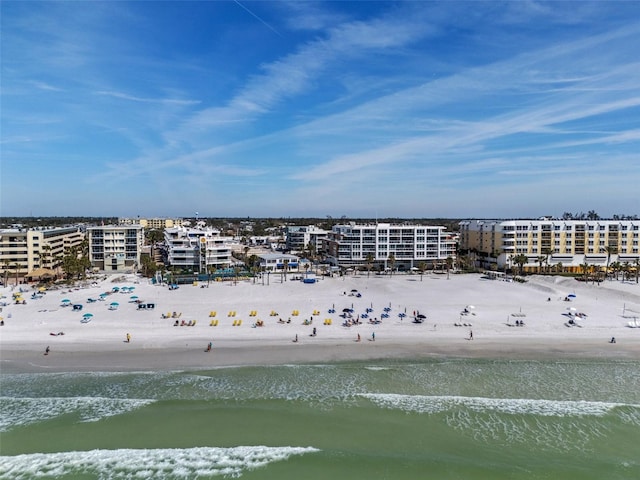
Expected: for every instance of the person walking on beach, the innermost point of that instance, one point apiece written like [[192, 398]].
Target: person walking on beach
[[295, 340], [358, 339], [128, 338], [47, 350], [470, 334], [373, 336]]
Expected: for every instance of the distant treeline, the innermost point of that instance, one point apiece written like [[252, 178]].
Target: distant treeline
[[259, 225]]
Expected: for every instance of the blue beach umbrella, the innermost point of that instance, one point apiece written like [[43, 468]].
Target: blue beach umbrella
[[87, 315], [66, 300], [114, 304]]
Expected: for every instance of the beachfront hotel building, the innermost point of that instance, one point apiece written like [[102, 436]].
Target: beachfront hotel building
[[24, 251], [115, 248], [298, 238], [568, 244], [410, 246], [200, 250]]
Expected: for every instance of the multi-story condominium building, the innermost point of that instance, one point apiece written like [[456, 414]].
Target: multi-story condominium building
[[299, 238], [115, 248], [152, 223], [408, 245], [568, 243], [198, 249], [24, 250]]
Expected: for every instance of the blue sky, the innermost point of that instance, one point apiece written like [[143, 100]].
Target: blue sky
[[285, 109]]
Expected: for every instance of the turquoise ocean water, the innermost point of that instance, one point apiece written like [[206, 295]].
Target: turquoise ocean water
[[440, 419]]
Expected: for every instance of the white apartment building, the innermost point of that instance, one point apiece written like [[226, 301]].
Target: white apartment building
[[411, 245], [198, 249], [298, 238], [570, 243], [26, 249], [115, 248]]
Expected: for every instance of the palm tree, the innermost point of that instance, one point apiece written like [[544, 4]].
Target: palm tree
[[5, 266], [369, 261], [45, 256], [610, 249], [449, 262], [392, 261], [520, 260], [16, 267], [585, 270], [547, 253], [422, 266], [541, 259]]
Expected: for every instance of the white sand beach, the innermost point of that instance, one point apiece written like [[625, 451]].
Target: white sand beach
[[494, 309]]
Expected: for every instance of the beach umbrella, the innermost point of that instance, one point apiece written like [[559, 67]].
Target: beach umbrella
[[66, 300], [114, 304], [133, 297], [87, 315], [104, 295], [571, 295], [42, 289]]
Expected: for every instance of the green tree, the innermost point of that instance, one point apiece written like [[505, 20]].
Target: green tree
[[369, 261], [6, 263], [520, 260], [392, 261], [547, 253], [422, 266], [16, 268], [611, 250], [449, 262]]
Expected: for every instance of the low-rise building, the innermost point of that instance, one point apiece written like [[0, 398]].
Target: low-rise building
[[277, 262]]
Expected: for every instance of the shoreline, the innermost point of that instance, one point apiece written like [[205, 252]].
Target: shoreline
[[228, 356]]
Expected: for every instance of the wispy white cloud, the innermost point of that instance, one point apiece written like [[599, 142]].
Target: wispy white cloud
[[133, 98]]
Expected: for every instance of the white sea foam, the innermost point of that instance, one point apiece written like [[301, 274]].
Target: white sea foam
[[437, 404], [23, 411], [154, 464]]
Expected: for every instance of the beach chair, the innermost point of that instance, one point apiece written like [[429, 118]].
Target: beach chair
[[239, 322]]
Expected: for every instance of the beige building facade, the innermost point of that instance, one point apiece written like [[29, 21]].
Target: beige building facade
[[553, 242], [24, 250]]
